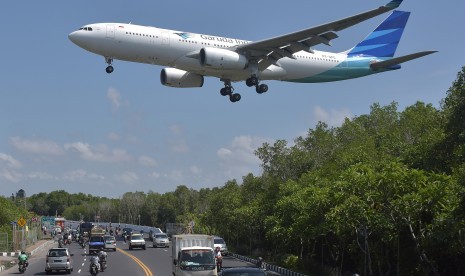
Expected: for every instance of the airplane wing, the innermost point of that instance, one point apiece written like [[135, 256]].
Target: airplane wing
[[398, 60], [268, 51]]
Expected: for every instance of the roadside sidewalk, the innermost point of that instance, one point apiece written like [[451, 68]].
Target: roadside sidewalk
[[10, 257]]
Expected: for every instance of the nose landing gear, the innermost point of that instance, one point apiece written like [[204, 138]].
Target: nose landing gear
[[109, 61]]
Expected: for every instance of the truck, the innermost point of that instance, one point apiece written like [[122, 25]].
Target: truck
[[96, 240], [193, 255], [84, 228]]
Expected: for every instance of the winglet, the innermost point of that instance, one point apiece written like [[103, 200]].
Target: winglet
[[394, 4]]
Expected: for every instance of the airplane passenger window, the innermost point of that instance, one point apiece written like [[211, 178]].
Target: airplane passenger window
[[90, 28]]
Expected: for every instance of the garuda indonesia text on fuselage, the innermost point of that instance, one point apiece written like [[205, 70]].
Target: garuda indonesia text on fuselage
[[291, 57]]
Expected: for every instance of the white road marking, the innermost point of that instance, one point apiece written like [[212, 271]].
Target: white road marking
[[79, 271], [82, 264]]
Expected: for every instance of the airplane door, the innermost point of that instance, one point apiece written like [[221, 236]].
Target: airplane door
[[110, 31], [165, 38]]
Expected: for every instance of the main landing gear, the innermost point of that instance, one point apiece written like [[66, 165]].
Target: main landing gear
[[228, 90], [109, 68]]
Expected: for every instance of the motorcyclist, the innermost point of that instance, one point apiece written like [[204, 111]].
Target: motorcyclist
[[218, 258], [94, 260], [102, 257], [22, 258]]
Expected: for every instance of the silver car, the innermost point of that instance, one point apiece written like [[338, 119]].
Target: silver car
[[161, 240], [110, 242], [58, 259]]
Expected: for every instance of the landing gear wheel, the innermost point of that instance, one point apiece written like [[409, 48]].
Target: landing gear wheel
[[226, 91], [109, 69], [262, 88], [235, 97], [252, 81]]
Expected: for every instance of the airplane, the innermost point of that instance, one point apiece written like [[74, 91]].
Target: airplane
[[189, 57]]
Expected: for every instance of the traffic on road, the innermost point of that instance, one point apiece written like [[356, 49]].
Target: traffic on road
[[127, 253]]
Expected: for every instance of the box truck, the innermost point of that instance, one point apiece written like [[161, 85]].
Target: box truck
[[193, 255]]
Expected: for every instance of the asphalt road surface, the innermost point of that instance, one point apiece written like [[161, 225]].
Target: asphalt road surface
[[137, 262]]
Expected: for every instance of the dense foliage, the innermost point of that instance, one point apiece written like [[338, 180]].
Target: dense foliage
[[383, 194]]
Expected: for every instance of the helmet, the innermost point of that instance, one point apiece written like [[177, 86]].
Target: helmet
[[22, 252]]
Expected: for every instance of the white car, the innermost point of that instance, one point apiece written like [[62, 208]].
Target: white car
[[161, 240], [58, 259], [137, 241], [110, 242]]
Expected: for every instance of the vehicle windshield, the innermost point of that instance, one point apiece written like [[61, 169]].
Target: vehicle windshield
[[196, 257], [219, 241], [95, 239], [136, 237], [161, 236], [57, 253], [109, 238]]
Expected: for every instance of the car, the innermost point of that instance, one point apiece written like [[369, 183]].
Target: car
[[58, 259], [219, 241], [136, 241], [110, 242], [161, 240], [153, 232], [243, 271]]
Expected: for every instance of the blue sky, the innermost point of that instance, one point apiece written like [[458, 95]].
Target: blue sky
[[66, 124]]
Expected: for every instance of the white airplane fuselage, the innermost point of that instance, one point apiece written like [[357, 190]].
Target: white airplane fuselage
[[164, 47]]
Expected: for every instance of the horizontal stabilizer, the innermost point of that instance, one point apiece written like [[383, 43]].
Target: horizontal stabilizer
[[398, 60]]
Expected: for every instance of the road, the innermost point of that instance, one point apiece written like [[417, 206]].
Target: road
[[149, 262]]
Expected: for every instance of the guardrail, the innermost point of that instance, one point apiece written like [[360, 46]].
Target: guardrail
[[267, 266]]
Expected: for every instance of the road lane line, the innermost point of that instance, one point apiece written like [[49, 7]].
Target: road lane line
[[79, 271], [139, 262]]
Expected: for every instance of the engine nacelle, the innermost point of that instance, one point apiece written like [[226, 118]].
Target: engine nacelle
[[173, 77], [222, 59]]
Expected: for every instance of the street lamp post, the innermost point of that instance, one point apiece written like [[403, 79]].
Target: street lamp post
[[139, 219]]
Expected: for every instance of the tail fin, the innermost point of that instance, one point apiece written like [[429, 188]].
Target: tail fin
[[383, 41]]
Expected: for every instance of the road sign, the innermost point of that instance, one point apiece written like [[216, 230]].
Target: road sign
[[21, 222], [48, 222]]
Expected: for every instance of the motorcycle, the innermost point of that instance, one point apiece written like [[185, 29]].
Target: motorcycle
[[93, 269], [219, 264], [60, 243], [103, 265], [22, 267]]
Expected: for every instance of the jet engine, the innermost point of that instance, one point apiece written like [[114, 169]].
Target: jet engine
[[222, 59], [179, 78]]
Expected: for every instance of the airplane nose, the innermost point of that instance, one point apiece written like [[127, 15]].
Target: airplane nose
[[73, 37]]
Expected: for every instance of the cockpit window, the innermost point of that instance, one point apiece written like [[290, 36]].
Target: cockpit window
[[86, 28]]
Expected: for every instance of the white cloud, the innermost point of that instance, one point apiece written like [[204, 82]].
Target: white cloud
[[239, 158], [114, 97], [176, 176], [241, 150], [147, 161], [332, 117], [129, 178], [8, 161], [10, 176], [40, 176], [37, 146], [176, 129], [80, 175], [113, 136], [195, 170], [179, 146], [100, 153], [154, 175]]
